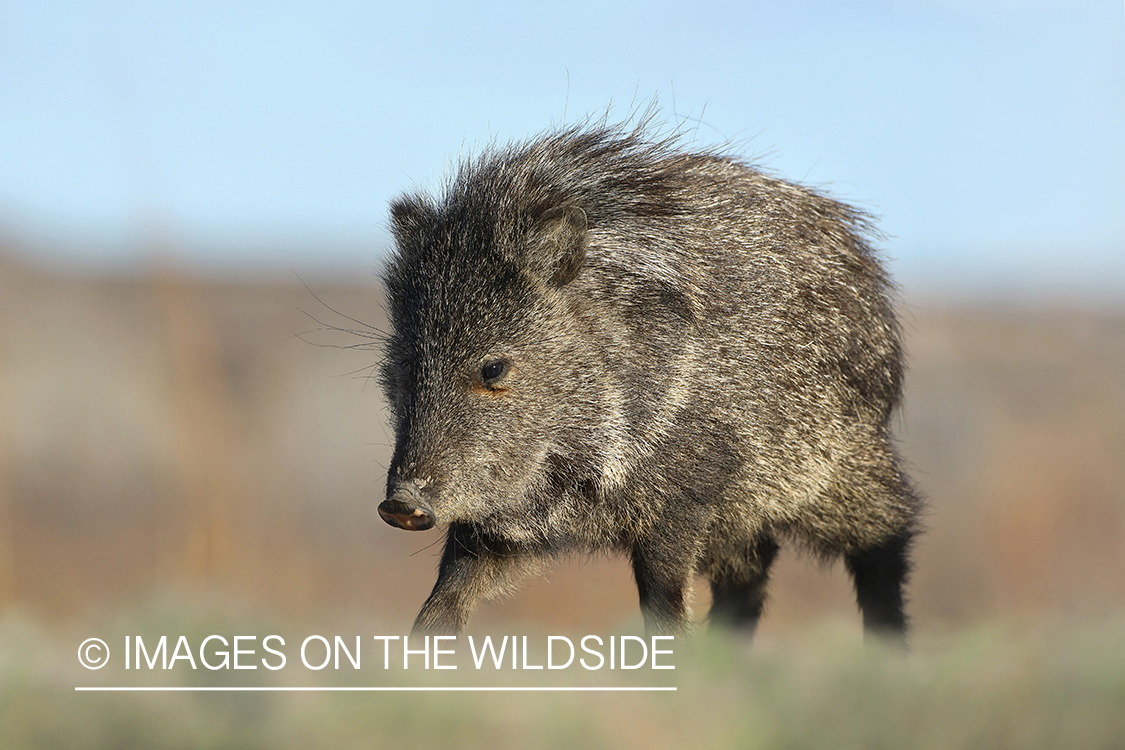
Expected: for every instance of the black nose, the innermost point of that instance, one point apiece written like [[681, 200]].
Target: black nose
[[406, 507]]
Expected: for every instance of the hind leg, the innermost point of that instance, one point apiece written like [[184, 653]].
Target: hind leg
[[879, 573], [738, 583], [869, 515]]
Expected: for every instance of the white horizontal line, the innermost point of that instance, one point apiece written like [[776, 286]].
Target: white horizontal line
[[373, 689]]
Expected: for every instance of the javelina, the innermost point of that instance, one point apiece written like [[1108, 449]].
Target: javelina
[[601, 342]]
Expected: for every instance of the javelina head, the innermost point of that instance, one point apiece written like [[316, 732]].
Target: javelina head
[[491, 384]]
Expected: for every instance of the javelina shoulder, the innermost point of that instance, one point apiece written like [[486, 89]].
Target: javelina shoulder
[[602, 340]]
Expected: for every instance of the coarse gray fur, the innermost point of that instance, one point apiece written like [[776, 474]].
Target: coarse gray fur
[[604, 342]]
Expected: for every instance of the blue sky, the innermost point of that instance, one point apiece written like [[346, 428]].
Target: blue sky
[[987, 135]]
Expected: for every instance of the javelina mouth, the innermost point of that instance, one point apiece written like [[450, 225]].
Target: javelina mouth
[[404, 516]]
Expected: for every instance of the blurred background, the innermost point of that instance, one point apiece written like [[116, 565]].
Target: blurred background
[[192, 215]]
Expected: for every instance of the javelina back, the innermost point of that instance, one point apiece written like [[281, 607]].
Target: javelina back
[[603, 342]]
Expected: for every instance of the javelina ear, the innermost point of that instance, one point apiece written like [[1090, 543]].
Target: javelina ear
[[560, 246], [409, 212]]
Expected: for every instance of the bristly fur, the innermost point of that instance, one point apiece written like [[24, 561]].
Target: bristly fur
[[696, 359]]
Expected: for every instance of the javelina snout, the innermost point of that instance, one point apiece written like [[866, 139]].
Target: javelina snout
[[407, 506], [601, 342]]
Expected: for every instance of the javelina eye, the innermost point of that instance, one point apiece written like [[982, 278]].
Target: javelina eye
[[493, 371]]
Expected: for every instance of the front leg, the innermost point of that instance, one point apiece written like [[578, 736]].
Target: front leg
[[473, 567], [664, 562]]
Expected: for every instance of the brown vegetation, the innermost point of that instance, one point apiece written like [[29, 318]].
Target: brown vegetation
[[162, 433]]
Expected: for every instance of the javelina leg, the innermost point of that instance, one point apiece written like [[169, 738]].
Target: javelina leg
[[738, 585], [879, 573], [472, 568], [663, 565]]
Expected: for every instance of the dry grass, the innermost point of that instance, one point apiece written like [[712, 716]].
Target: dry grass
[[985, 686], [162, 435]]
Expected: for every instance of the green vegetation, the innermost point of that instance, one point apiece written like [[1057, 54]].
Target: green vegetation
[[987, 687], [161, 433]]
